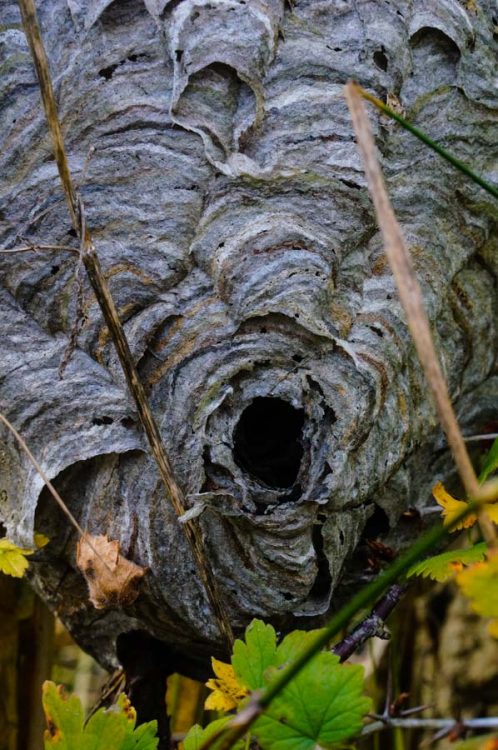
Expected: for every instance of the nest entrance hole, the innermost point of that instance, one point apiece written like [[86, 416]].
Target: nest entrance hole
[[267, 441]]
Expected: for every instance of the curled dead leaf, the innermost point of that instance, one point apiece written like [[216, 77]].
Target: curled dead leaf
[[112, 579]]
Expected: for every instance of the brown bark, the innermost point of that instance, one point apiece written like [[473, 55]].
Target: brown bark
[[9, 643], [26, 638]]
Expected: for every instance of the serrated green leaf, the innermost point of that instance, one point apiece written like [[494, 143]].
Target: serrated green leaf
[[104, 730], [196, 736], [111, 729], [64, 716], [323, 706], [252, 657], [441, 567], [293, 643], [490, 462], [143, 738]]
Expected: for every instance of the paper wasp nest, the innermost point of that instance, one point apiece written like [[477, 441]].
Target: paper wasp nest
[[214, 154]]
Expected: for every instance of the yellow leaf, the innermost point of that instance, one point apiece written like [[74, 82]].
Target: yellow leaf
[[40, 540], [452, 507], [184, 699], [493, 630], [479, 582], [491, 510], [13, 559], [227, 690]]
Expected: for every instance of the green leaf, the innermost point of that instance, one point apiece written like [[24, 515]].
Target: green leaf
[[143, 738], [293, 643], [323, 706], [196, 735], [111, 729], [440, 567], [64, 716], [490, 462], [252, 657]]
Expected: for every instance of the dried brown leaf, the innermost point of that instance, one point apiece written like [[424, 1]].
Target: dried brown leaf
[[112, 579]]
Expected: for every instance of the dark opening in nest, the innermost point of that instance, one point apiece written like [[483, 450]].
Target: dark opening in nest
[[267, 441]]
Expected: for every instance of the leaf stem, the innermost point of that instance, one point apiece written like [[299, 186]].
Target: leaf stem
[[240, 724], [410, 295], [460, 165]]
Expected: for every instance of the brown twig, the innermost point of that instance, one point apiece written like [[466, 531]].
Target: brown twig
[[488, 722], [58, 499], [371, 626], [102, 292], [412, 301], [36, 248]]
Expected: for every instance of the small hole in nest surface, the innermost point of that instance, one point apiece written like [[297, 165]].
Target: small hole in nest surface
[[107, 73], [380, 59], [377, 525], [267, 441], [98, 421]]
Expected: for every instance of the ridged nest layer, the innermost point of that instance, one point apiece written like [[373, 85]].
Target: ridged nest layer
[[214, 153]]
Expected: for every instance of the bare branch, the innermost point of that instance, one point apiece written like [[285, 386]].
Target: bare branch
[[386, 722], [372, 626]]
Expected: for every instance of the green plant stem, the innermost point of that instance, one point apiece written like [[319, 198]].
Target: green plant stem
[[360, 601], [239, 725], [410, 295], [460, 165]]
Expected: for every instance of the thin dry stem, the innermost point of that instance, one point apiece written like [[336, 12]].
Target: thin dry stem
[[406, 723], [411, 298], [102, 292], [480, 438], [35, 41], [58, 499], [37, 248]]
